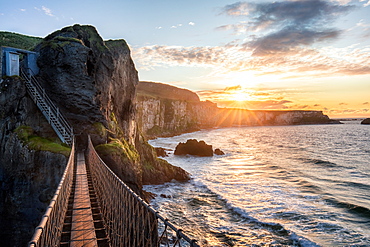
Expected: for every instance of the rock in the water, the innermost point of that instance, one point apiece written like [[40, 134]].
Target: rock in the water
[[193, 147], [219, 152], [161, 152], [366, 121]]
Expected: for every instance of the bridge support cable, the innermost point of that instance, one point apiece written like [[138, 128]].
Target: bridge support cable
[[129, 220], [49, 231], [60, 125]]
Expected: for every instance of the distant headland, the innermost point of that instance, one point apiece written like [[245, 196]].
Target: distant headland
[[165, 110]]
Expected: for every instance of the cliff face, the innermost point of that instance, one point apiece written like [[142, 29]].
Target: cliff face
[[235, 117], [94, 82], [28, 178], [91, 80], [161, 115], [164, 110]]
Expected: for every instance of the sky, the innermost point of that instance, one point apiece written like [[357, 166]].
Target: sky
[[261, 54]]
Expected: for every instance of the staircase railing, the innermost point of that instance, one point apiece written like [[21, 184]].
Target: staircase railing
[[49, 231], [129, 220], [60, 125]]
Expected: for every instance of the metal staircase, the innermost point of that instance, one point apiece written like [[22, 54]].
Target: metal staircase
[[60, 125]]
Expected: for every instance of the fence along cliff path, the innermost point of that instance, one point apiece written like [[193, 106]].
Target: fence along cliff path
[[92, 206]]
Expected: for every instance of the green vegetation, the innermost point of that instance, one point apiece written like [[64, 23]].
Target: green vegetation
[[116, 43], [58, 42], [148, 166], [100, 129], [114, 127], [67, 39], [27, 136], [118, 147], [19, 41], [94, 37]]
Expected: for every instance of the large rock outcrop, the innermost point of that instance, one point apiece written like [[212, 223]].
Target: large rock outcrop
[[94, 82], [28, 176], [91, 80], [164, 110], [366, 121], [193, 147]]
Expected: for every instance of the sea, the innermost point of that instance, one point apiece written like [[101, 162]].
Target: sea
[[303, 185]]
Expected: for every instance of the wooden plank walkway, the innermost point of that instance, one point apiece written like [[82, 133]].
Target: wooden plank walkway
[[82, 231]]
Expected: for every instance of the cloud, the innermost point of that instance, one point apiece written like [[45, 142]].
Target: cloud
[[256, 105], [366, 4], [234, 88], [176, 26], [343, 103], [47, 11], [256, 99], [191, 23], [365, 103], [301, 62], [286, 39], [23, 10], [282, 26], [348, 111], [287, 13]]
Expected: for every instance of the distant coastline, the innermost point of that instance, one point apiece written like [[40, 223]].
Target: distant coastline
[[165, 110]]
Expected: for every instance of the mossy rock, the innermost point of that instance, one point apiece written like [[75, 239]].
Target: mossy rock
[[118, 147], [27, 136], [100, 129]]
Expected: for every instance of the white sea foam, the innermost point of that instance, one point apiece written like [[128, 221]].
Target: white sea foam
[[292, 179]]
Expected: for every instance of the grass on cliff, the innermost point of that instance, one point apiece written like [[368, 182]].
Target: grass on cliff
[[100, 129], [118, 147], [19, 41], [34, 142]]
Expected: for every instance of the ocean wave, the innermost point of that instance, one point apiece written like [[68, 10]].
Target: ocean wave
[[319, 162], [350, 207], [275, 228]]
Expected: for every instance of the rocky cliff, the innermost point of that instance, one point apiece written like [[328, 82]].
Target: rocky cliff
[[93, 82], [29, 176], [162, 113]]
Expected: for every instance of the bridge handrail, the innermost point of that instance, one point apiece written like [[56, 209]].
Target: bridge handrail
[[101, 176], [49, 231], [41, 91]]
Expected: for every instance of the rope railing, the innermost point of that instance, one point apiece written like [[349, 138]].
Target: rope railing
[[49, 231], [50, 111], [129, 220]]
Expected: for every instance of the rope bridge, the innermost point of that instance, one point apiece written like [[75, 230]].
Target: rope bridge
[[128, 219], [49, 231]]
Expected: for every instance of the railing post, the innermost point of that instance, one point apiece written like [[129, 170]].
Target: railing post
[[49, 114]]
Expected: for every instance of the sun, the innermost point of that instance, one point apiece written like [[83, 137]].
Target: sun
[[240, 96]]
